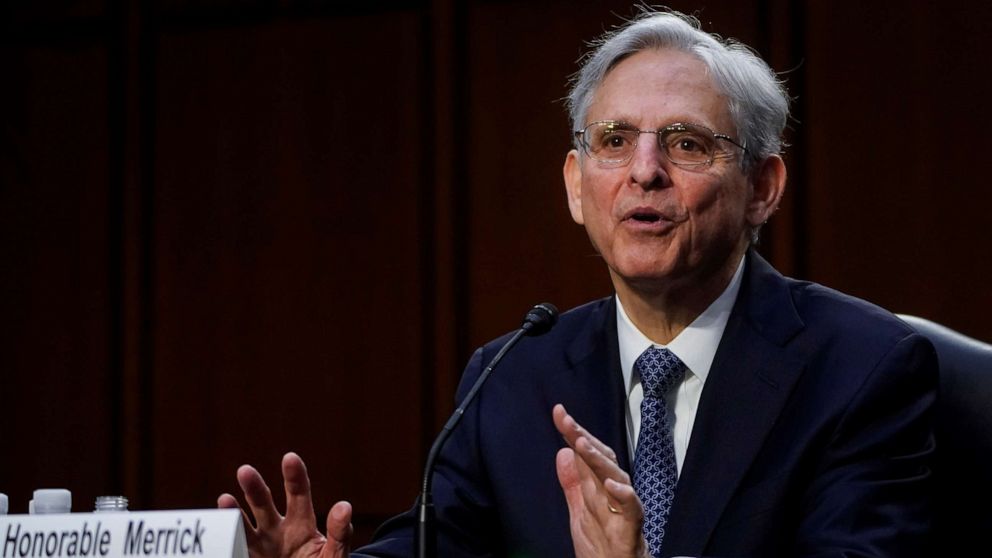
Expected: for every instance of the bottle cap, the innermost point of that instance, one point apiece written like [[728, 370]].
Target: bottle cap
[[111, 503], [52, 500]]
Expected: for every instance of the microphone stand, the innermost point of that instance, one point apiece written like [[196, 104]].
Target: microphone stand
[[539, 320]]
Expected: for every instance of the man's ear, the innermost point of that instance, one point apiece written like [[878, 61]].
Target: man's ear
[[767, 187], [572, 172]]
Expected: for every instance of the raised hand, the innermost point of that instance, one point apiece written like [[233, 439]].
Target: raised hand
[[296, 534], [605, 514]]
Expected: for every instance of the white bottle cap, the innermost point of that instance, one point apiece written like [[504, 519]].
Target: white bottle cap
[[3, 504], [52, 500]]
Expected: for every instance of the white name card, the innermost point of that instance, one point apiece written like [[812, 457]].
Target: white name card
[[212, 533]]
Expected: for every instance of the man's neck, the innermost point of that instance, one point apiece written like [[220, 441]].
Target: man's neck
[[662, 312]]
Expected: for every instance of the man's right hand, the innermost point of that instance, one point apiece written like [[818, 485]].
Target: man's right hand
[[296, 534]]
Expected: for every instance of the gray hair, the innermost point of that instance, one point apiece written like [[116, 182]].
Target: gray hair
[[757, 100]]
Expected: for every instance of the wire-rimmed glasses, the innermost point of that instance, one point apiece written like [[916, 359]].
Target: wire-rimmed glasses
[[692, 146]]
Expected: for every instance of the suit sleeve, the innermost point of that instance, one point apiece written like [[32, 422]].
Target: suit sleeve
[[871, 495], [467, 525]]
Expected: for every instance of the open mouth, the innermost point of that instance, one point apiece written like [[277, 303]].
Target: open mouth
[[645, 217]]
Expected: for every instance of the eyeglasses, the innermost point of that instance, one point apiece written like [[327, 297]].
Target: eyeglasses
[[690, 146]]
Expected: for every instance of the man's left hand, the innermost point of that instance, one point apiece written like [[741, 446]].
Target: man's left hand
[[605, 514]]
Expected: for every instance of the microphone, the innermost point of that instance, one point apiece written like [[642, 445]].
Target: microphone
[[538, 321]]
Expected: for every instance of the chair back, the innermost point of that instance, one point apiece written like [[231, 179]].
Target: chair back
[[963, 465]]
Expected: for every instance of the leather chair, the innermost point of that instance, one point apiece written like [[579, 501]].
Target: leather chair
[[963, 465]]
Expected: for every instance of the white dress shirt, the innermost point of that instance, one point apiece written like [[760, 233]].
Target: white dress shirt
[[695, 346]]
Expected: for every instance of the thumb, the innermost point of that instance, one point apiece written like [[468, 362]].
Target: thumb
[[568, 477], [339, 530]]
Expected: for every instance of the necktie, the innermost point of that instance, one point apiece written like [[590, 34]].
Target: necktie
[[655, 471]]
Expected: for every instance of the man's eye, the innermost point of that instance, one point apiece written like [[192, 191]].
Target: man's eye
[[613, 141], [689, 144]]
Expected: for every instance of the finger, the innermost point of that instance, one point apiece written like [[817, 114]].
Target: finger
[[592, 462], [595, 470], [571, 430], [299, 504], [226, 501], [568, 475], [594, 495], [607, 499], [569, 479], [339, 528], [258, 496], [603, 466], [625, 499], [558, 415], [587, 515]]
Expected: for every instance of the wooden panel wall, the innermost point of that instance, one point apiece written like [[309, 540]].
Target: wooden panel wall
[[58, 385], [229, 229], [286, 243], [898, 187]]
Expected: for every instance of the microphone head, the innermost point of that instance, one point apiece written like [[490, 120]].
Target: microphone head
[[540, 319]]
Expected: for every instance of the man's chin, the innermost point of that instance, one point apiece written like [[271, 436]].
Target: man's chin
[[646, 278]]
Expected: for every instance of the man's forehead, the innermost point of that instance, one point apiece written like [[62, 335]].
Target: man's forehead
[[659, 86]]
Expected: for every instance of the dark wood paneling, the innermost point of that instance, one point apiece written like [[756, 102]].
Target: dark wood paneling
[[897, 191], [442, 203], [286, 245], [524, 247], [30, 13], [54, 336]]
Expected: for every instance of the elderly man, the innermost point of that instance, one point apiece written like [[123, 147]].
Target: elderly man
[[712, 406]]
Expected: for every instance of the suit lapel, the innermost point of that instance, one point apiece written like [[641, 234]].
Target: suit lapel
[[592, 387], [750, 380]]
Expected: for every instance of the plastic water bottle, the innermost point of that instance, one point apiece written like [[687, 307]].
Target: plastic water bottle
[[51, 500], [111, 504]]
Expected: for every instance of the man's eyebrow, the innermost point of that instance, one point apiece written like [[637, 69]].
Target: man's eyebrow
[[672, 121], [620, 122]]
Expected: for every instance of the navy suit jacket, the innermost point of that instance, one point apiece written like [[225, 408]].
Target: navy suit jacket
[[813, 435]]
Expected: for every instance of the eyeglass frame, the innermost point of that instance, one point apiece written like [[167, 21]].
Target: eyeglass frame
[[580, 138]]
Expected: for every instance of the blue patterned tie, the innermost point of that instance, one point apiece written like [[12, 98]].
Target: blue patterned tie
[[655, 471]]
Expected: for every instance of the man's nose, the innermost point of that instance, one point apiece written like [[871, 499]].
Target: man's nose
[[648, 164]]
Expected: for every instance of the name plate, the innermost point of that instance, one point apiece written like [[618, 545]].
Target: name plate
[[214, 533]]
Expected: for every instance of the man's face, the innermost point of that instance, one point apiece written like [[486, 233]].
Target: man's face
[[658, 225]]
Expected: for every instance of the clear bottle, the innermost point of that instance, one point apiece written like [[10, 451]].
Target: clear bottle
[[111, 504], [51, 500]]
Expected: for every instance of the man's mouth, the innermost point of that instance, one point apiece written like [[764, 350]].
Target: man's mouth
[[646, 217], [648, 220], [643, 215]]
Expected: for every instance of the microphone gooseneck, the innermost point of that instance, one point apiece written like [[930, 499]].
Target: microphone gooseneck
[[539, 320]]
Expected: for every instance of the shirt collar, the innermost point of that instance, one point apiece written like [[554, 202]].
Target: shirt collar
[[695, 346]]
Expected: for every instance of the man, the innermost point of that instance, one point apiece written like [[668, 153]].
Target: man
[[724, 409]]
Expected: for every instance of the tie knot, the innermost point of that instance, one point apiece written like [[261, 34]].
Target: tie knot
[[660, 371]]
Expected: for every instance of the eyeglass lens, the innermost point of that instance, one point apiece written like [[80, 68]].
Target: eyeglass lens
[[685, 144]]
